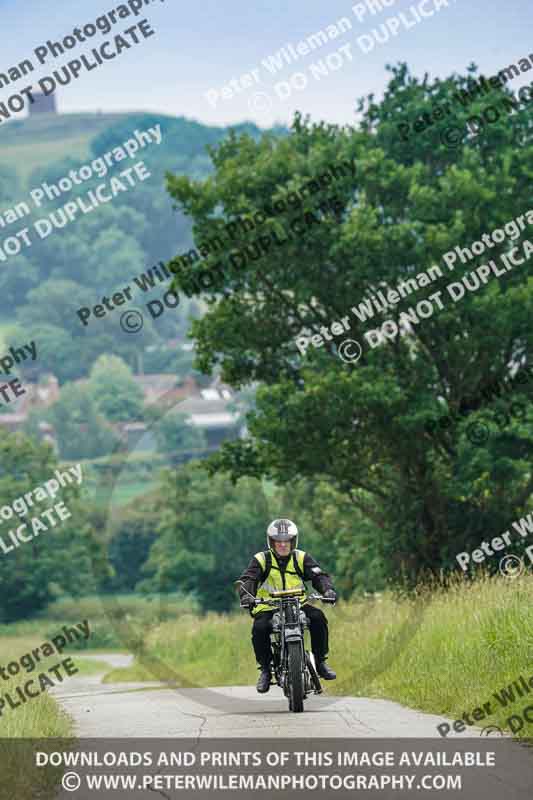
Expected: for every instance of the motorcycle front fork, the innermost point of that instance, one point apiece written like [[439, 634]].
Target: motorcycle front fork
[[276, 662]]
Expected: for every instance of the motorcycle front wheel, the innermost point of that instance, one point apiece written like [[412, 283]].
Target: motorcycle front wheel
[[296, 677]]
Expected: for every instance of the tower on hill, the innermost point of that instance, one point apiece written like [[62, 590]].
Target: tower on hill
[[43, 104]]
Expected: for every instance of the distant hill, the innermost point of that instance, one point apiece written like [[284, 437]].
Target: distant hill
[[36, 141], [33, 142]]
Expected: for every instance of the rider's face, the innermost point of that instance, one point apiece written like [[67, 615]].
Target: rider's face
[[282, 548]]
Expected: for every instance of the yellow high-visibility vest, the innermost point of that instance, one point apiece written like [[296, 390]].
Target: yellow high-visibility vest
[[277, 580]]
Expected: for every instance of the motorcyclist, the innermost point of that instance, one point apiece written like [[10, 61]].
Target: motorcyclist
[[283, 566]]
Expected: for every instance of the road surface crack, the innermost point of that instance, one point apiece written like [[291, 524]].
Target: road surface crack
[[204, 721], [159, 791]]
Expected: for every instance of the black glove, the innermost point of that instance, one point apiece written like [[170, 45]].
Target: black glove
[[331, 595], [247, 602]]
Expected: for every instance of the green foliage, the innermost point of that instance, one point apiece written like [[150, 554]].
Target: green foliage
[[335, 532], [16, 283], [60, 559], [167, 359], [81, 431], [102, 251], [362, 428], [113, 390], [207, 534], [9, 184], [174, 435], [148, 609], [133, 533], [66, 347]]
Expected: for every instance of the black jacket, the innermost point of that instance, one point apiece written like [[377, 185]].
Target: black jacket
[[312, 572]]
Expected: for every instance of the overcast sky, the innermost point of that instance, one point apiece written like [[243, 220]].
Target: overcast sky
[[201, 46]]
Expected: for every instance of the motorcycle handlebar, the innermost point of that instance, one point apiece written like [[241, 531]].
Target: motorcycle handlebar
[[263, 601]]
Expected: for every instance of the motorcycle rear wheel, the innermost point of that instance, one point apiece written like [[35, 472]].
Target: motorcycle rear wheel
[[296, 677]]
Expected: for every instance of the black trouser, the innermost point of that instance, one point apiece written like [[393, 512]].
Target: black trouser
[[318, 627]]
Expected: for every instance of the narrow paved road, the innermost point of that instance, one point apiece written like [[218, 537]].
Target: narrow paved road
[[155, 710], [133, 711]]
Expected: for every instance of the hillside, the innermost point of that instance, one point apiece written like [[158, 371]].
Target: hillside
[[102, 251], [34, 142]]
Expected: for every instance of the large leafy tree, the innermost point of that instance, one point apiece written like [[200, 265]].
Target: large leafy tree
[[363, 427]]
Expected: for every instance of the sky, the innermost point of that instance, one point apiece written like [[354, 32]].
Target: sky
[[200, 47]]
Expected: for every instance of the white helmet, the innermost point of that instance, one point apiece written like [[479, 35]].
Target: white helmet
[[282, 530]]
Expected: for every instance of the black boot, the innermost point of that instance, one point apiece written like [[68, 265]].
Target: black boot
[[263, 682], [324, 671]]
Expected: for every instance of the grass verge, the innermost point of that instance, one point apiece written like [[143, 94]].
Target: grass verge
[[38, 717]]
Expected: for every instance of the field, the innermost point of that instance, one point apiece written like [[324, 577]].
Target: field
[[37, 141], [123, 494]]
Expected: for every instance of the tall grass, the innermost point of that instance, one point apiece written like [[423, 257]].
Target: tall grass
[[445, 652], [40, 716], [117, 622], [147, 608]]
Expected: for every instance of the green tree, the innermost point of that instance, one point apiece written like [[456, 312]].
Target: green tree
[[363, 427], [132, 536], [114, 391], [175, 435], [80, 430], [9, 185], [338, 535], [65, 346], [16, 283], [208, 532], [54, 302], [60, 560]]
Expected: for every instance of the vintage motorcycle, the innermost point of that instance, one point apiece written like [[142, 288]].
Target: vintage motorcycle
[[292, 664]]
